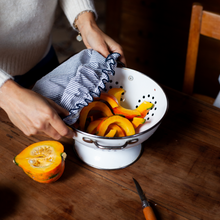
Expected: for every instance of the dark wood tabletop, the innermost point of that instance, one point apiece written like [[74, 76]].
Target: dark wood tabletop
[[179, 171]]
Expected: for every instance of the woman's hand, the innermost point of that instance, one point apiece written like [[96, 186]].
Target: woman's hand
[[94, 38], [32, 113]]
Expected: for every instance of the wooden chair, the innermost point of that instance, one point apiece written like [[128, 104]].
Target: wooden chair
[[205, 23]]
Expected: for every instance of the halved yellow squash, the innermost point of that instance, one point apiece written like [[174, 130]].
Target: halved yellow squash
[[43, 161]]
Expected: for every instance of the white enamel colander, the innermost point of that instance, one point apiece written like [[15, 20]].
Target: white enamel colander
[[119, 152]]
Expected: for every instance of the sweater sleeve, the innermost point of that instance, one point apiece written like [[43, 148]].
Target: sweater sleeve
[[72, 8], [4, 77]]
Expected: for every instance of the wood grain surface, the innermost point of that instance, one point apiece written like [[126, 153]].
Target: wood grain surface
[[179, 172]]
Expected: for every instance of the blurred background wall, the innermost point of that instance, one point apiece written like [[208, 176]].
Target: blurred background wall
[[154, 35], [64, 37]]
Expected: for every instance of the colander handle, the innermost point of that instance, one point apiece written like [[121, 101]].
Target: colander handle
[[113, 147], [88, 140]]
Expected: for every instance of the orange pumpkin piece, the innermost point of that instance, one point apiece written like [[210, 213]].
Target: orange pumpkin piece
[[128, 113], [95, 105], [144, 108], [91, 129], [120, 131], [111, 133], [43, 161], [116, 92], [108, 98], [138, 121], [124, 123]]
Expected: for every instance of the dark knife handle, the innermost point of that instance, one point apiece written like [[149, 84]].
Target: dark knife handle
[[149, 213]]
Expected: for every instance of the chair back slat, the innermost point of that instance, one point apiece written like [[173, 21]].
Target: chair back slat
[[192, 49], [207, 24], [210, 26]]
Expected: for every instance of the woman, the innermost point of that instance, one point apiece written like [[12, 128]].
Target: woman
[[25, 28]]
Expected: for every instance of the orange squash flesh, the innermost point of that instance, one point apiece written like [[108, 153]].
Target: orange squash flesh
[[111, 133], [124, 123], [128, 113], [144, 108], [138, 121], [120, 131], [112, 108], [116, 92], [43, 161], [91, 129], [108, 98], [96, 105]]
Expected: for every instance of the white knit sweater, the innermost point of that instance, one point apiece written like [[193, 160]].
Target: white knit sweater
[[25, 28]]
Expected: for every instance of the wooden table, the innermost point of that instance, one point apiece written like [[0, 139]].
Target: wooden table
[[179, 172]]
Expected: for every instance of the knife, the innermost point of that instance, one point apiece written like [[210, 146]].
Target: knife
[[147, 209]]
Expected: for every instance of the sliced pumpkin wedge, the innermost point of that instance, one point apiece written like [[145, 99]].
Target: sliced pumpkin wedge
[[120, 131], [91, 129], [113, 102], [128, 113], [124, 123], [96, 105], [111, 133], [138, 121], [116, 92], [144, 108]]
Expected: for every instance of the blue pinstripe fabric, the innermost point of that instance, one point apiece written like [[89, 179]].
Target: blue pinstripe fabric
[[74, 83]]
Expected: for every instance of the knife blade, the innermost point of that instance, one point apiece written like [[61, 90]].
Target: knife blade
[[147, 209]]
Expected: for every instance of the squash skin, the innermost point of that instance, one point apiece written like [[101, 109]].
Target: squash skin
[[46, 177], [52, 170], [124, 123]]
